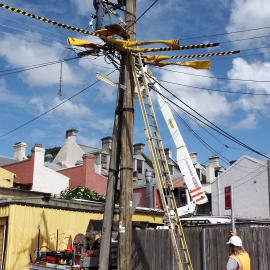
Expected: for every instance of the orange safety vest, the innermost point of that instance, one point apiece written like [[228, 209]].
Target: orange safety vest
[[243, 260]]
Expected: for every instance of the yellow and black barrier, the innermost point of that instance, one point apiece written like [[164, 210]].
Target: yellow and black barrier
[[199, 64]]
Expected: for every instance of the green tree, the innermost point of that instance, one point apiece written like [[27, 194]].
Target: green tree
[[81, 193]]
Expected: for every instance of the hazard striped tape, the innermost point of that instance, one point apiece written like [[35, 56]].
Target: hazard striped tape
[[180, 48], [204, 55], [42, 19]]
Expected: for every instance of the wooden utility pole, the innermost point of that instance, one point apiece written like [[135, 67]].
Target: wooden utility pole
[[122, 146], [126, 164]]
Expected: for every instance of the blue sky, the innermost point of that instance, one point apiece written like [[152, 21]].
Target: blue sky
[[27, 42]]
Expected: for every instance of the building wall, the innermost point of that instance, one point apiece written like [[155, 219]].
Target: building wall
[[24, 223], [6, 178], [24, 170], [250, 190], [45, 179], [85, 176], [75, 174]]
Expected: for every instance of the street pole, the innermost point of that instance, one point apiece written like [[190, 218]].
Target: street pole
[[104, 256], [121, 157], [126, 163], [232, 210]]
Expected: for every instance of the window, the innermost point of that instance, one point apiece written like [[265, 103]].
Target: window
[[139, 166]]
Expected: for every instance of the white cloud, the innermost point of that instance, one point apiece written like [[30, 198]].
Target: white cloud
[[102, 124], [249, 122], [249, 14], [211, 105], [255, 70], [70, 109], [82, 6], [6, 96], [28, 49], [94, 142]]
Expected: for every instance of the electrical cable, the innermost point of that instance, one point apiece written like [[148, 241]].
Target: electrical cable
[[238, 180], [201, 140], [206, 121], [243, 39], [212, 77], [146, 11], [27, 68], [225, 33], [216, 90], [143, 14], [52, 108], [195, 134]]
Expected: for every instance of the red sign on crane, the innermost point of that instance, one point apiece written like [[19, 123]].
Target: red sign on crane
[[228, 198]]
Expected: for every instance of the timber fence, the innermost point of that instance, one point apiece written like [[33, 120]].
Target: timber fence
[[207, 245]]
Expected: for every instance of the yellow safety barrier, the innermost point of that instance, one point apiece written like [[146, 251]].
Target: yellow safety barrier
[[83, 43], [203, 64]]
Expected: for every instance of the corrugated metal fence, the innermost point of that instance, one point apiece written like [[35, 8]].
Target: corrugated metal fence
[[207, 245]]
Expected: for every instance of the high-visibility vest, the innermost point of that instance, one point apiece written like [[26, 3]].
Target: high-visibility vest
[[243, 260]]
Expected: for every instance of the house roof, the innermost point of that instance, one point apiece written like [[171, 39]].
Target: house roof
[[236, 163], [45, 200], [89, 149], [6, 160]]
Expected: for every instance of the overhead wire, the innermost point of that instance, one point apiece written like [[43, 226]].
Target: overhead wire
[[226, 33], [195, 134], [212, 77], [137, 19], [215, 90], [206, 122], [52, 108], [31, 67], [201, 140]]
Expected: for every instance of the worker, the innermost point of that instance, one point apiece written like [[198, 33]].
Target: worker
[[239, 258], [101, 7]]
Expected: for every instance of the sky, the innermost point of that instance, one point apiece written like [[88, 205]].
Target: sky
[[24, 95]]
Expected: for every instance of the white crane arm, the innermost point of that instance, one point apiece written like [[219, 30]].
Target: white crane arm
[[184, 161]]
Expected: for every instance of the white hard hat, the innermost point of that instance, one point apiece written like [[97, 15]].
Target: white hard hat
[[235, 240]]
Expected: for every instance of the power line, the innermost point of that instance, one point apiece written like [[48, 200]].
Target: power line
[[245, 176], [206, 122], [212, 77], [27, 68], [216, 90], [146, 11], [225, 33], [196, 135], [51, 109], [200, 139], [143, 14]]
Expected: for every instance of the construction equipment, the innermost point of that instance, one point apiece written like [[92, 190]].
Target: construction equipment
[[161, 168]]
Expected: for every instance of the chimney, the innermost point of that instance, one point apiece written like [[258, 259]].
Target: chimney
[[71, 134], [210, 169], [194, 156], [106, 143], [168, 153], [214, 161], [39, 155], [138, 148], [20, 151]]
